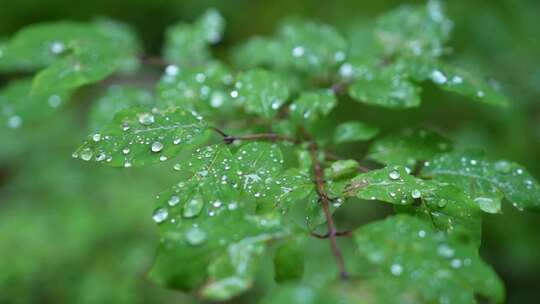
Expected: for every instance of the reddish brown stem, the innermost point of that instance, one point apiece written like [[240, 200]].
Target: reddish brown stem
[[325, 202]]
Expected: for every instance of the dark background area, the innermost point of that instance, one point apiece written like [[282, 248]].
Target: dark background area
[[73, 233]]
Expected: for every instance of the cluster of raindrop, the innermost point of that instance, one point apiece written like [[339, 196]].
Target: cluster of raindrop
[[144, 130], [260, 91], [209, 84]]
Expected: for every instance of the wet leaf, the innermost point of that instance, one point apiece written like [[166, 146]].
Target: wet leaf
[[188, 44], [483, 179], [261, 92], [417, 263], [139, 136], [354, 131], [19, 107], [311, 106], [408, 147]]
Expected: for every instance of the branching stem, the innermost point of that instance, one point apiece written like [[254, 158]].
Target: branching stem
[[325, 202]]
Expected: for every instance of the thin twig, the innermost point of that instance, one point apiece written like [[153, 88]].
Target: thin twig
[[327, 235], [229, 139], [154, 61], [325, 202]]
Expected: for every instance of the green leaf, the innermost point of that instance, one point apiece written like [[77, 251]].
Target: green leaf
[[449, 209], [18, 106], [37, 46], [299, 45], [125, 37], [392, 184], [220, 252], [261, 92], [261, 52], [385, 88], [115, 99], [137, 136], [292, 186], [303, 294], [453, 79], [202, 88], [417, 264], [310, 46], [416, 30], [206, 220], [73, 54], [311, 106], [354, 131], [189, 44], [341, 168], [289, 261], [259, 165], [408, 147], [484, 179]]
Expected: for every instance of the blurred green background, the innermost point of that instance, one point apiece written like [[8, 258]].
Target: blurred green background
[[74, 233]]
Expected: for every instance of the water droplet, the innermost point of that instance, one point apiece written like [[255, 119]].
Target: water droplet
[[57, 47], [346, 70], [195, 236], [100, 156], [14, 122], [487, 204], [127, 164], [394, 174], [503, 166], [480, 94], [173, 201], [160, 215], [157, 146], [298, 51], [193, 207], [438, 77], [445, 251], [54, 101], [146, 119], [125, 151], [396, 269], [422, 234], [177, 167], [86, 154], [457, 80], [442, 203], [172, 70], [416, 194], [96, 137], [232, 206], [456, 263]]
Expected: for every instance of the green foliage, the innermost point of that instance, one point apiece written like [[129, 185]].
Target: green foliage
[[246, 202]]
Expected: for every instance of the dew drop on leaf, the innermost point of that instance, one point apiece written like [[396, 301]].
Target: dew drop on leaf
[[86, 154], [173, 201], [195, 236], [396, 269], [193, 207], [146, 119], [160, 215], [394, 174], [157, 146]]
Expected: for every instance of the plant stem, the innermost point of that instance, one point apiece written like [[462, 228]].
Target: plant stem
[[325, 202], [229, 139]]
